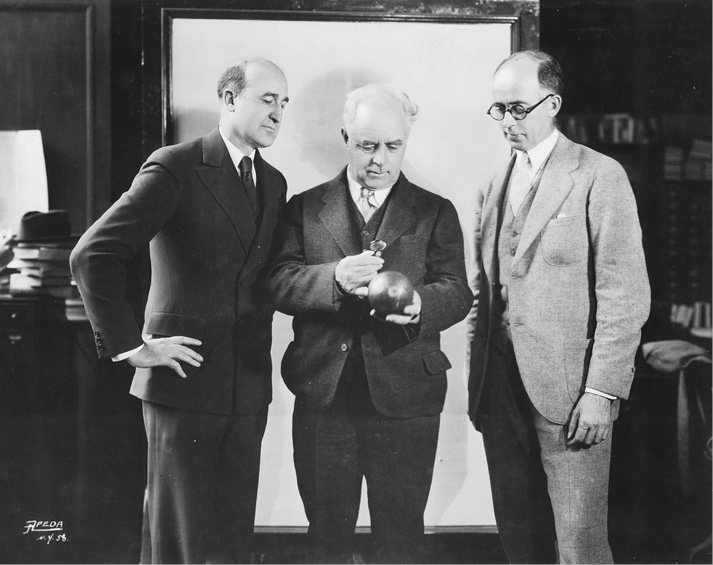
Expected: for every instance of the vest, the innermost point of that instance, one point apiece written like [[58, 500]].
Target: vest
[[507, 243], [363, 233]]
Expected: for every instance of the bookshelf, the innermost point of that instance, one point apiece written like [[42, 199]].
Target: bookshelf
[[668, 161], [638, 88]]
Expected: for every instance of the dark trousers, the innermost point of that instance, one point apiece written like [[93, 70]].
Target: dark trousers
[[336, 449], [550, 499], [202, 484], [517, 479]]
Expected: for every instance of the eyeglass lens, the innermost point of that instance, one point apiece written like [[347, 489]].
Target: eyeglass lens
[[517, 111]]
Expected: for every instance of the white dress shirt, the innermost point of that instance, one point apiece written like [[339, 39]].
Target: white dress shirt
[[355, 190], [539, 154], [236, 156]]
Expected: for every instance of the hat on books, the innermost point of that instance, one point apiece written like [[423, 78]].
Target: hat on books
[[39, 227]]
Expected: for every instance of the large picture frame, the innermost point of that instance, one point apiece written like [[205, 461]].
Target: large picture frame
[[444, 61]]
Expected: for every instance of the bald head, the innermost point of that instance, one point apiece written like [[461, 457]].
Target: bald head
[[234, 77], [253, 94], [531, 81], [548, 70]]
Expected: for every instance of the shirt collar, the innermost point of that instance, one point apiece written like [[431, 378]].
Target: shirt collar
[[355, 189], [539, 154], [236, 155]]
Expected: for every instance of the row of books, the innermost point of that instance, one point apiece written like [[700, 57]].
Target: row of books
[[610, 128], [696, 317], [692, 164]]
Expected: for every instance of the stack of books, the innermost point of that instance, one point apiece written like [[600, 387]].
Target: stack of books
[[696, 317], [5, 258], [74, 310], [698, 163], [673, 163], [42, 268]]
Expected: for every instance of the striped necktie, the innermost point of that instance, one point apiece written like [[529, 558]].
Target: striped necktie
[[367, 203], [521, 182]]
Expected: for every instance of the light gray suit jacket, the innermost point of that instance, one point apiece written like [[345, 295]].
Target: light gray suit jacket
[[578, 288]]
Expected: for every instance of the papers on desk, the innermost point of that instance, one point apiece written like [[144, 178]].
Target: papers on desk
[[42, 268]]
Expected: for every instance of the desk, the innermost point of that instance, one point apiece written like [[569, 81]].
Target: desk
[[72, 445], [36, 400]]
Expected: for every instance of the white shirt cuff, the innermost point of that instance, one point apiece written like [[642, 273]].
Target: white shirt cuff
[[126, 354], [599, 393]]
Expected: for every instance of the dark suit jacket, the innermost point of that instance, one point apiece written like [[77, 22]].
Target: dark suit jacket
[[207, 263], [406, 369]]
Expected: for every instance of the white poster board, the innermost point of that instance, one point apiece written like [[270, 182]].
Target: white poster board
[[446, 68], [23, 177]]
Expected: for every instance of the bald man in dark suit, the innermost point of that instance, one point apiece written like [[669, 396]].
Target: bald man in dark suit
[[209, 208]]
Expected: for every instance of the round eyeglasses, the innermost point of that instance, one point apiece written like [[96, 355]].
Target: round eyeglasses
[[517, 111]]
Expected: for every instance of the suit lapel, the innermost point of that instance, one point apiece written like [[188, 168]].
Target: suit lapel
[[400, 214], [555, 184], [335, 214], [221, 179], [493, 208]]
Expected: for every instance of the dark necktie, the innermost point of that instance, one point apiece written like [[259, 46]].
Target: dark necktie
[[246, 175]]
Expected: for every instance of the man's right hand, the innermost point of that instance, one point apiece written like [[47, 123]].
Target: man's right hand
[[167, 352], [353, 273]]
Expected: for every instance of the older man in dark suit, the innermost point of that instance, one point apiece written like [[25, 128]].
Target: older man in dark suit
[[208, 207], [369, 391]]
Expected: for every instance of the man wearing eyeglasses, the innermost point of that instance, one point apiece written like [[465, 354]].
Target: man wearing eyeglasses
[[561, 295]]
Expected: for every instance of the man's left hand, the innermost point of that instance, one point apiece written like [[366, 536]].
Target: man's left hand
[[591, 421], [411, 313]]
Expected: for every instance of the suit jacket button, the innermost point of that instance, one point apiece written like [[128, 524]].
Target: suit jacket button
[[96, 333], [344, 347]]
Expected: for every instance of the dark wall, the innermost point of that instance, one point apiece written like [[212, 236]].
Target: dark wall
[[645, 57], [651, 59], [126, 116], [54, 72]]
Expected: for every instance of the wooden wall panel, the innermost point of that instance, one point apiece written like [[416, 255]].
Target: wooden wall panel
[[48, 69]]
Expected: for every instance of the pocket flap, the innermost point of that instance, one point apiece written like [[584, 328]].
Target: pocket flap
[[436, 362], [169, 324]]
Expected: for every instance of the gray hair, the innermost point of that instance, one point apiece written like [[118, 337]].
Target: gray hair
[[375, 91]]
